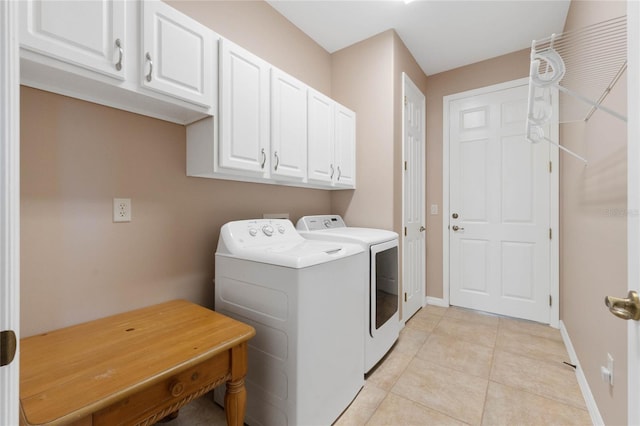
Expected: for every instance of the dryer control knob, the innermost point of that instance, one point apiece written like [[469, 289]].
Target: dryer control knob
[[253, 232], [267, 230], [327, 223], [281, 229]]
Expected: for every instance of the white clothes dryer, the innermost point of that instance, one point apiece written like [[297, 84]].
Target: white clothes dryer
[[382, 319], [304, 298]]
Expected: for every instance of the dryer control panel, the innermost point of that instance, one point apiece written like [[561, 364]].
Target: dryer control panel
[[316, 223]]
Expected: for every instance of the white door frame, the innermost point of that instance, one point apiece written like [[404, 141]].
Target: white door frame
[[407, 80], [554, 194], [9, 203], [633, 205]]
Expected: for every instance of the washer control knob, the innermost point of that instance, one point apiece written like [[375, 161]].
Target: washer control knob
[[281, 229], [267, 230], [253, 232], [327, 223]]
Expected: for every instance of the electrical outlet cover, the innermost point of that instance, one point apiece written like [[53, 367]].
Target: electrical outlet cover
[[122, 209]]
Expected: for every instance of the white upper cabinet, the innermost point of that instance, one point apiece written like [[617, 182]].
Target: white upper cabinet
[[89, 34], [243, 111], [178, 54], [321, 132], [288, 126], [332, 142], [141, 56], [345, 147]]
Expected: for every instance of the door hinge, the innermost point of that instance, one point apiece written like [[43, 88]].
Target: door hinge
[[405, 101], [550, 234], [405, 231], [405, 165], [405, 296], [550, 300], [550, 167]]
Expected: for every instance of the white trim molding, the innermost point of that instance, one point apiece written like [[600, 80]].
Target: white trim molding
[[436, 301], [9, 203], [633, 205], [596, 418]]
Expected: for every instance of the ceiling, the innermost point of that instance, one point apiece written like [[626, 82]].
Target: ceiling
[[441, 34]]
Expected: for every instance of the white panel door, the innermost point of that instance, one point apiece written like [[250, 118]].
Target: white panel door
[[499, 208], [633, 205], [83, 33], [244, 110], [320, 137], [345, 147], [179, 54], [288, 126], [413, 199], [9, 206]]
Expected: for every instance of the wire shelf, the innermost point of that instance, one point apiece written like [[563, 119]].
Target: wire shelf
[[583, 65]]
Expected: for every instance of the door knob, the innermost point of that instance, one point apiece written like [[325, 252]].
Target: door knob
[[422, 229], [628, 308], [457, 228], [8, 345]]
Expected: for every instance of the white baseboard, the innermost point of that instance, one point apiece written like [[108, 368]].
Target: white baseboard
[[436, 301], [596, 418]]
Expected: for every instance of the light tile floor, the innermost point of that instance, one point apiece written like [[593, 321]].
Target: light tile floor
[[454, 366]]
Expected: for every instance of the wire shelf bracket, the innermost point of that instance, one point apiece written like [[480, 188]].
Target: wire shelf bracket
[[583, 65]]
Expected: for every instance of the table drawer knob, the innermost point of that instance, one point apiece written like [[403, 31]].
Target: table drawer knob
[[176, 388]]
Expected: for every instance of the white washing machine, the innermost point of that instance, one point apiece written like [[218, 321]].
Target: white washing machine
[[304, 298], [382, 287]]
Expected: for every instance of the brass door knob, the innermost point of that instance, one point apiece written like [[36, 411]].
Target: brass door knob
[[628, 308]]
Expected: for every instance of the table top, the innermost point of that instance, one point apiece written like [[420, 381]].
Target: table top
[[72, 372]]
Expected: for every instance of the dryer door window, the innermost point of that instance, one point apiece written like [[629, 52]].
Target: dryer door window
[[384, 283]]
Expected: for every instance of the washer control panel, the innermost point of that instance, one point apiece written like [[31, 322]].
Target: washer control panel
[[256, 232]]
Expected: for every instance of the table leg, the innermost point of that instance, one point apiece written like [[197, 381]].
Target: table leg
[[235, 401], [235, 398]]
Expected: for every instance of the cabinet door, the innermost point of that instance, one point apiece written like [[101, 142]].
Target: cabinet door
[[89, 34], [178, 54], [244, 110], [288, 126], [345, 147], [320, 137]]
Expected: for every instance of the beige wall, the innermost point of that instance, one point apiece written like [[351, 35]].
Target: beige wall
[[367, 77], [76, 157], [593, 242], [493, 71], [376, 96], [363, 81]]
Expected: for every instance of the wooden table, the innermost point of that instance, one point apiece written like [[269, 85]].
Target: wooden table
[[133, 368]]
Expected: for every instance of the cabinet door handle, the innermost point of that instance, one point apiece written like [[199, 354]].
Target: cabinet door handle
[[339, 173], [275, 154], [332, 171], [264, 159], [120, 54], [148, 56]]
